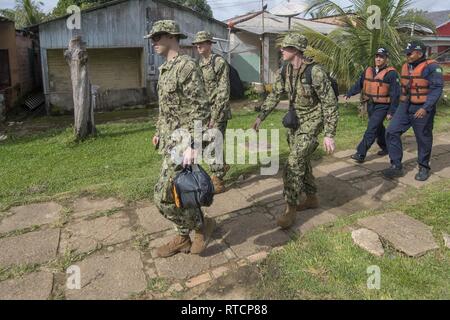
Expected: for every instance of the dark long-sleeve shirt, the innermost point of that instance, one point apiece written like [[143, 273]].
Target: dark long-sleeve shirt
[[391, 78]]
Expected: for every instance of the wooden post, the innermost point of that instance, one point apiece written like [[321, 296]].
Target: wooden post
[[77, 58]]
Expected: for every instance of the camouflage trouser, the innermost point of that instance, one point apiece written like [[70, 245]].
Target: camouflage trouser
[[185, 220], [218, 169], [297, 175]]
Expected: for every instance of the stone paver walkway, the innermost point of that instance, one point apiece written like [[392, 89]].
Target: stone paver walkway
[[112, 244]]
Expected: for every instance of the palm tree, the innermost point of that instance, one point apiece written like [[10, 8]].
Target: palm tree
[[25, 13], [346, 51]]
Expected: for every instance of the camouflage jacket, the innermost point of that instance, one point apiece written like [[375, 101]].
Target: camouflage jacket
[[316, 105], [217, 84], [182, 98]]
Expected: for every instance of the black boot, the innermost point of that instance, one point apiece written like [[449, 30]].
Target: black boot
[[423, 174], [358, 158], [382, 153], [393, 172]]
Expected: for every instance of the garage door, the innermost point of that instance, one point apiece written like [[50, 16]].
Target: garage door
[[108, 68]]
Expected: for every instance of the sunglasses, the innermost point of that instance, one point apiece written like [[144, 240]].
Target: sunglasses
[[158, 37]]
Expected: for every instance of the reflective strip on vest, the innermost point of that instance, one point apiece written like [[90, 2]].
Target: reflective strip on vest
[[415, 88], [374, 88]]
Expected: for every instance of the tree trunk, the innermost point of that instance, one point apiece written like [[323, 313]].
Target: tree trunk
[[77, 58]]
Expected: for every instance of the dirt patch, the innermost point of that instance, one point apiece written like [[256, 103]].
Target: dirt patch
[[239, 105], [29, 124]]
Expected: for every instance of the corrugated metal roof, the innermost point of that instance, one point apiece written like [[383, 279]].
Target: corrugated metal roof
[[417, 29], [97, 7], [179, 6], [436, 38], [275, 24], [114, 2], [289, 9], [333, 16], [4, 19]]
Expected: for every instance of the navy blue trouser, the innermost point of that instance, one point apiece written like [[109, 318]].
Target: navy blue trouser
[[375, 129], [423, 130]]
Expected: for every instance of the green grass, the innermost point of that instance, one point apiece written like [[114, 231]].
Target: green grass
[[120, 161], [325, 264], [7, 273], [158, 285]]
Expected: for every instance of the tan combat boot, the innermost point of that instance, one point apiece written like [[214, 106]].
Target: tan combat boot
[[219, 186], [288, 218], [311, 202], [202, 236], [178, 244]]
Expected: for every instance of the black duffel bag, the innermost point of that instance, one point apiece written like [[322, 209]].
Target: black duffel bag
[[193, 188], [290, 120]]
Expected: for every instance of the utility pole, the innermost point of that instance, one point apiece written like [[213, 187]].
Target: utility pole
[[262, 44], [289, 20], [262, 8], [413, 26]]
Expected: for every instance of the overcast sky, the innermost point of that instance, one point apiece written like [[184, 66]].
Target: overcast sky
[[224, 9]]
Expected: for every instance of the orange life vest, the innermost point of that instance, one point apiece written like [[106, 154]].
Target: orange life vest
[[414, 87], [374, 88]]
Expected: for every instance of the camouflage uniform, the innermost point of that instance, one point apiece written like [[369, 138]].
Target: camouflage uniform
[[316, 109], [182, 100], [215, 71]]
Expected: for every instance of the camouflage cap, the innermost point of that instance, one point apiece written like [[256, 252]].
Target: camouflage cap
[[165, 26], [295, 40], [203, 36]]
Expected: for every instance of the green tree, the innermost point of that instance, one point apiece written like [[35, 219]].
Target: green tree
[[8, 13], [200, 6], [348, 50], [25, 13], [62, 5]]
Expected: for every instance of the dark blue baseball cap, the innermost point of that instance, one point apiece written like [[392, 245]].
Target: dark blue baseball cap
[[415, 46], [382, 52]]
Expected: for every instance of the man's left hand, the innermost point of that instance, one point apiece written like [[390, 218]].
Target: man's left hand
[[421, 113], [329, 145], [189, 156]]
